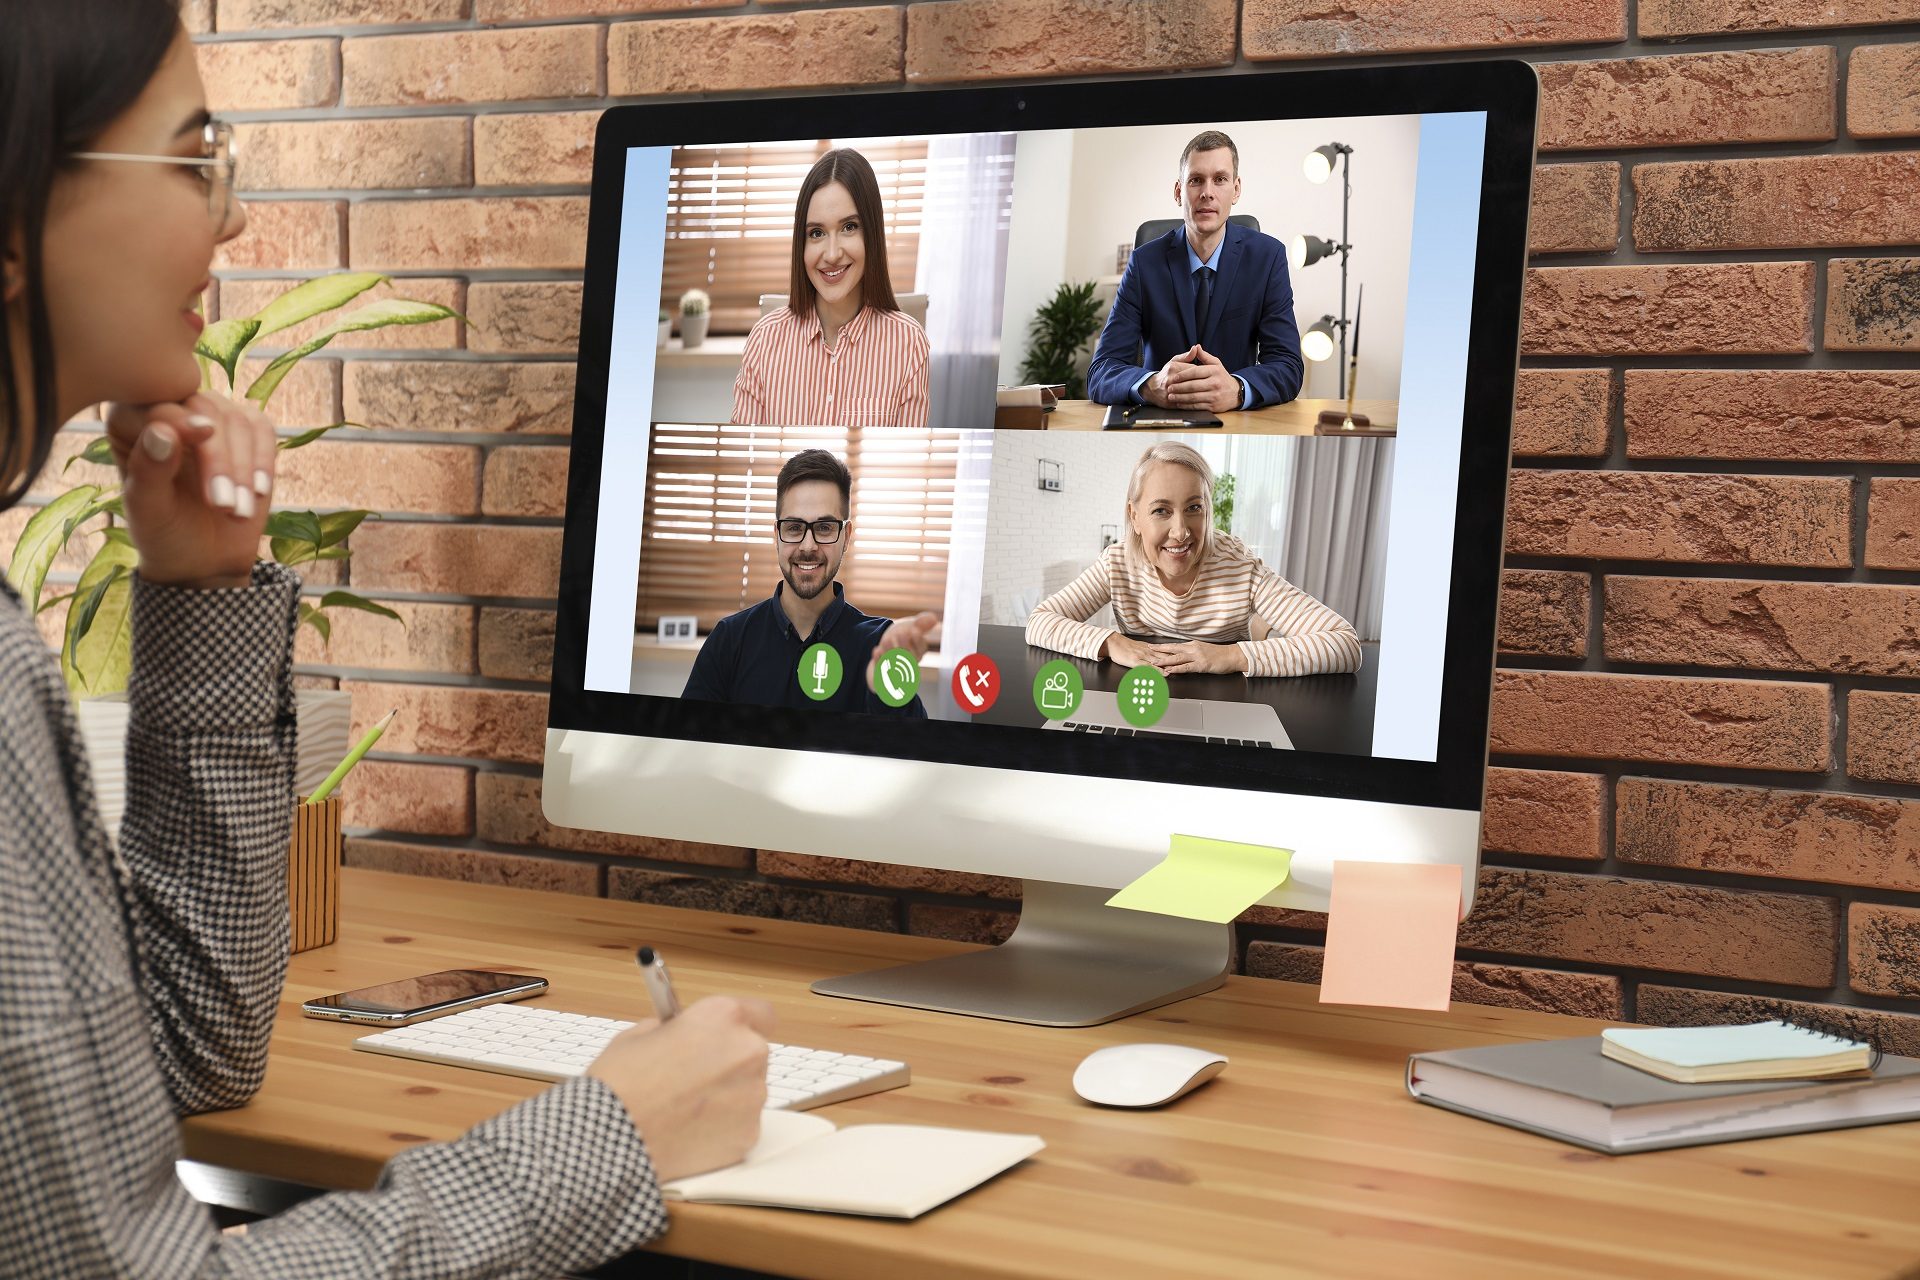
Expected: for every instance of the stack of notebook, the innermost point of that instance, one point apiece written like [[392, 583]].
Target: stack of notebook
[[1765, 1079]]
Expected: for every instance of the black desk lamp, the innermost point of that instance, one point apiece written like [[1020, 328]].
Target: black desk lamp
[[1307, 250]]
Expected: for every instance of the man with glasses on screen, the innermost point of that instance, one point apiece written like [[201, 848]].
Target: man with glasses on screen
[[1203, 321], [754, 656]]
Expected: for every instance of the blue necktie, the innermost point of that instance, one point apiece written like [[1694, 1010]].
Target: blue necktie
[[1202, 295]]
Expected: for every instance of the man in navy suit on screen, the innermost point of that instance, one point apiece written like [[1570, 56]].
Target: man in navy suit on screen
[[1204, 316]]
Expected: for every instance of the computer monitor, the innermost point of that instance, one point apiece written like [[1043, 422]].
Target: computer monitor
[[1330, 674]]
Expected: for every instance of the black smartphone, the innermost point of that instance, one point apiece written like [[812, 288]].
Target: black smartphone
[[430, 995]]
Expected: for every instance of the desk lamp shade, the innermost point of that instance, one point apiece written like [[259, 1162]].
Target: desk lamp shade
[[1304, 251], [1317, 342], [1319, 162]]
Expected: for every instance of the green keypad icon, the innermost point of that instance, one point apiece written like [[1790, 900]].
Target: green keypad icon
[[1143, 697]]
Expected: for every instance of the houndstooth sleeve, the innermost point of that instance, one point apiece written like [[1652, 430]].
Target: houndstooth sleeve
[[203, 846]]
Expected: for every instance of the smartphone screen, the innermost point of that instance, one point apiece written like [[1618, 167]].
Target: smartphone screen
[[426, 992]]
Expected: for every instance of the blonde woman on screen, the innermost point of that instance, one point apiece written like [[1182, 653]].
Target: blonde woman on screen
[[1175, 576], [841, 353]]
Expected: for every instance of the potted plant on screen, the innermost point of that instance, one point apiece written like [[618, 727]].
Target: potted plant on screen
[[1058, 331], [693, 317], [666, 328]]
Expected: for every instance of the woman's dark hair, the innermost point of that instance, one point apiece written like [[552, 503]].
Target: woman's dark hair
[[850, 169], [68, 69]]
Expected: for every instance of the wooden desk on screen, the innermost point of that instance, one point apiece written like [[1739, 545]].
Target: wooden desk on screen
[[1296, 418], [1306, 1158]]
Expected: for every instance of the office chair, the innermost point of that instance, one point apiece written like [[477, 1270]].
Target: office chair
[[1160, 226], [913, 304]]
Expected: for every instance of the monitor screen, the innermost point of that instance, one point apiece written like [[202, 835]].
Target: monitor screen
[[1056, 430]]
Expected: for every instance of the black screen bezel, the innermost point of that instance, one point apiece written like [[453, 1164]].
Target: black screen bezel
[[1507, 90]]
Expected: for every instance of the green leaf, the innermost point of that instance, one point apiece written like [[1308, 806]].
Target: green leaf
[[308, 437], [305, 301], [46, 533], [223, 341], [98, 451], [98, 652], [333, 553], [348, 600], [317, 620], [48, 604], [303, 525], [375, 315], [336, 525]]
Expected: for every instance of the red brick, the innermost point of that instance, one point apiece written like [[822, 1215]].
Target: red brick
[[1647, 515], [453, 559], [1544, 613], [459, 67], [1660, 19], [1893, 523], [287, 235], [1563, 413], [756, 51], [1679, 1007], [1883, 950], [1734, 308], [1576, 208], [996, 39], [1751, 831], [197, 17], [882, 875], [428, 637], [1301, 29], [524, 317], [516, 644], [546, 10], [1545, 814], [510, 813], [1731, 724], [1781, 202], [242, 15], [1792, 415], [526, 398], [1883, 736], [512, 148], [1873, 304], [1881, 102], [474, 866], [1505, 986], [525, 482], [1688, 100], [961, 924], [423, 799], [409, 479], [750, 898], [245, 298], [269, 75], [452, 720], [1851, 628], [462, 235], [309, 396], [1788, 939], [411, 151]]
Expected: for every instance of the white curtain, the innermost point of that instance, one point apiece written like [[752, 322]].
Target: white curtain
[[1335, 545], [963, 252]]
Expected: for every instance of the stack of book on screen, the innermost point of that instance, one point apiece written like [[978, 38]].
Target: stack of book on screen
[[1684, 1087]]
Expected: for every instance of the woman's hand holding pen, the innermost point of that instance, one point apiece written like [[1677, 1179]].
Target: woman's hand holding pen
[[198, 477]]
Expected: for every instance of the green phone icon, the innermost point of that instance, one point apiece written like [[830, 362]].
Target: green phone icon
[[897, 678]]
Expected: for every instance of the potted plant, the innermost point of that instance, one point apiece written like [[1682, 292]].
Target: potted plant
[[96, 651], [693, 317], [666, 328], [1223, 502], [1058, 332]]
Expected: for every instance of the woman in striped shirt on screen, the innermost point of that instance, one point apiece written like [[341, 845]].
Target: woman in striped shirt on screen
[[841, 353], [1174, 576]]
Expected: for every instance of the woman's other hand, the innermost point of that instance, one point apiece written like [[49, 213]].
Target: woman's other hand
[[198, 477], [1197, 657], [1130, 653]]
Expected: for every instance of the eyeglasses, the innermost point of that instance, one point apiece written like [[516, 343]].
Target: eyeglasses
[[825, 531], [216, 166]]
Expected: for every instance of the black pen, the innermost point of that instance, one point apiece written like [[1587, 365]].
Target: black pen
[[653, 974]]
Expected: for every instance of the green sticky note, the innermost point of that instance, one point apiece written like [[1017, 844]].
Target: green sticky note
[[1204, 879]]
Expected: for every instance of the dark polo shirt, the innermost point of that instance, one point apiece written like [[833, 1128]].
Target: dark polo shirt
[[753, 657]]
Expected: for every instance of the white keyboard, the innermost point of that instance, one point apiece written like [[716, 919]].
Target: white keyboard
[[548, 1044]]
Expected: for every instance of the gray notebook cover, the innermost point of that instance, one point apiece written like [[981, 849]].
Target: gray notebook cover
[[1577, 1069]]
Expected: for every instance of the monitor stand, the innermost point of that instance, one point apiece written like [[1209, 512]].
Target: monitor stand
[[1072, 961]]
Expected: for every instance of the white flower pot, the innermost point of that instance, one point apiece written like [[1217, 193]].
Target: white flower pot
[[666, 332], [693, 329]]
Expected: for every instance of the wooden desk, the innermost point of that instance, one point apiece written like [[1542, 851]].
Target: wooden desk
[[1295, 418], [1306, 1158]]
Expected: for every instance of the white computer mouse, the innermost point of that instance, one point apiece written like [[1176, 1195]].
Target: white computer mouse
[[1144, 1075]]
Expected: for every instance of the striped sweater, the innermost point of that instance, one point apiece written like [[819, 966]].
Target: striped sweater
[[875, 374], [1230, 586]]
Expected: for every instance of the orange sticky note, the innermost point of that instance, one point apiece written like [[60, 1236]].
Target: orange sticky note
[[1390, 934]]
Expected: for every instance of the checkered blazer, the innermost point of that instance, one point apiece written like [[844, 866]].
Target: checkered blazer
[[138, 985]]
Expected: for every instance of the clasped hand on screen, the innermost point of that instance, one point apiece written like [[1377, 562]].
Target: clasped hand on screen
[[1194, 379], [1185, 657]]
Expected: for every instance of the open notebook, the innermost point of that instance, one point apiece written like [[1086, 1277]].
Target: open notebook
[[881, 1170], [1758, 1051]]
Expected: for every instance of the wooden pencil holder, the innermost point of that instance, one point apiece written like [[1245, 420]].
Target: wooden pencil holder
[[313, 872]]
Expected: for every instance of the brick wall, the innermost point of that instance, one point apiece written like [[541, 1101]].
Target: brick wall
[[1706, 729]]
